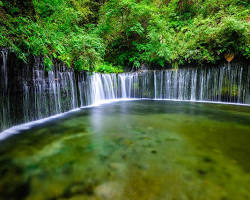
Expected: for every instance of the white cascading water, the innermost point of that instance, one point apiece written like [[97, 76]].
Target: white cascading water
[[4, 68], [209, 84], [48, 93], [4, 98], [45, 94]]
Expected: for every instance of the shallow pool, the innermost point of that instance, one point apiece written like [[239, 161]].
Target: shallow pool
[[135, 150]]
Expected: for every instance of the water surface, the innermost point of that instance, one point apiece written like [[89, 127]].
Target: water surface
[[136, 150]]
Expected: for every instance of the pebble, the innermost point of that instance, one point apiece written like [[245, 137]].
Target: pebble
[[108, 190]]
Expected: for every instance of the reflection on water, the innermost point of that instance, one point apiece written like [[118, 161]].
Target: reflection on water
[[139, 150]]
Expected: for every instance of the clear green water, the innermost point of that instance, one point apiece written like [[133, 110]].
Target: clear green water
[[136, 150]]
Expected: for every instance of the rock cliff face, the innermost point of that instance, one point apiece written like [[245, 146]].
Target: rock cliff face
[[28, 92]]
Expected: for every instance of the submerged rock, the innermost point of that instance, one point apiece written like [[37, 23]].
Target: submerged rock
[[13, 184], [153, 151], [208, 159], [109, 190], [118, 167], [202, 172]]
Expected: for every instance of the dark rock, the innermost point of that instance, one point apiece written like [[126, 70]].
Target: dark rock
[[13, 184], [74, 189], [202, 172], [154, 151], [207, 159], [124, 157]]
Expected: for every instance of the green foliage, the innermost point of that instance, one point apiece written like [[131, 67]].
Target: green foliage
[[158, 32], [48, 63], [84, 33], [54, 33], [108, 68]]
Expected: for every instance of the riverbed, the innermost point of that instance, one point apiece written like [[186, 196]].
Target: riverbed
[[132, 150]]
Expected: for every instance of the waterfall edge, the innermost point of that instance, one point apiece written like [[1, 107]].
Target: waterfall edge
[[18, 128], [29, 93]]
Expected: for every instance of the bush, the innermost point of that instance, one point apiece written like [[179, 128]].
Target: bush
[[84, 33], [108, 68]]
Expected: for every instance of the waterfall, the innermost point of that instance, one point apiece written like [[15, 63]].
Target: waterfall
[[4, 75], [195, 84], [4, 98], [30, 93], [122, 78], [155, 85]]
